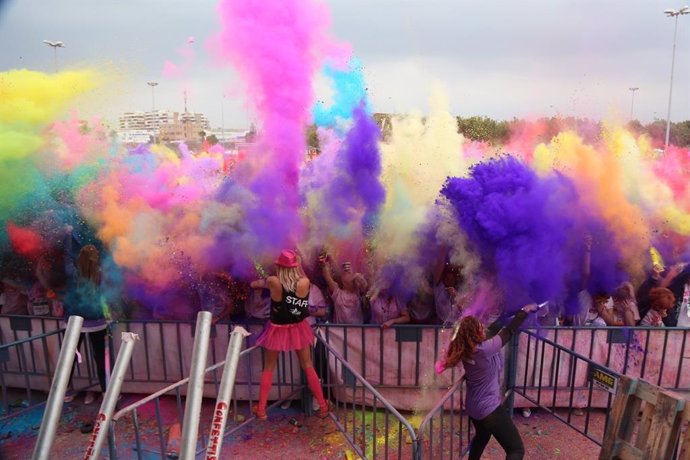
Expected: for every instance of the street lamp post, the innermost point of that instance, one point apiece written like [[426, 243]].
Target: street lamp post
[[153, 85], [672, 14], [632, 102], [55, 45]]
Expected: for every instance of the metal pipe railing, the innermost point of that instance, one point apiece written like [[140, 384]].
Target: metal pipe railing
[[450, 432], [377, 398], [56, 397], [190, 424], [227, 382], [105, 413]]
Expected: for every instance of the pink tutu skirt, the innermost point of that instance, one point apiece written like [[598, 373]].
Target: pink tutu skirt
[[286, 337]]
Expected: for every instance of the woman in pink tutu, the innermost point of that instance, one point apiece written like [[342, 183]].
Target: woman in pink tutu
[[287, 328]]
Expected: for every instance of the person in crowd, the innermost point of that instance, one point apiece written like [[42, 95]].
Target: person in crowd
[[287, 329], [85, 298], [216, 295], [661, 300], [421, 306], [624, 305], [318, 306], [41, 304], [258, 305], [480, 353], [658, 278], [603, 304], [347, 303], [15, 300], [596, 312], [679, 315], [447, 299], [387, 310]]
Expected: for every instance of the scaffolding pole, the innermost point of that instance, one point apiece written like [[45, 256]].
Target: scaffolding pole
[[220, 413], [195, 388], [58, 387], [105, 413]]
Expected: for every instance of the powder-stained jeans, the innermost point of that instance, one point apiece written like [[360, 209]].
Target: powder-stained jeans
[[501, 426]]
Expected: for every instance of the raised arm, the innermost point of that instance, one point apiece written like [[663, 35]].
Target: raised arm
[[507, 332], [587, 262], [328, 276]]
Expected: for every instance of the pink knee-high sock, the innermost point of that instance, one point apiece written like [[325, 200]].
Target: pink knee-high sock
[[264, 388], [315, 387]]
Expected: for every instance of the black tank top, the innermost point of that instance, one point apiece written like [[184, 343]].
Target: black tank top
[[290, 309]]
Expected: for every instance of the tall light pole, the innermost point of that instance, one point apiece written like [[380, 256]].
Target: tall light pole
[[153, 85], [672, 14], [55, 45], [632, 102]]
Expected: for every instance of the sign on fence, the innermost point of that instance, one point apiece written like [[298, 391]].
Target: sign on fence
[[603, 379]]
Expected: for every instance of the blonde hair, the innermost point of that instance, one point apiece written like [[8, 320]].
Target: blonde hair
[[289, 276]]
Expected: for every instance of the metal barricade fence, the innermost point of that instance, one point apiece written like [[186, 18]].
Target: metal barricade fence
[[371, 425], [572, 373], [446, 430], [547, 366], [557, 380], [27, 364], [132, 418]]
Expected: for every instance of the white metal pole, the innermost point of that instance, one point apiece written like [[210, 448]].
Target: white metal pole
[[195, 388], [105, 414], [56, 397], [632, 102], [220, 413], [670, 89]]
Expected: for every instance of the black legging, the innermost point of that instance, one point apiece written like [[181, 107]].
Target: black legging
[[501, 426], [97, 340]]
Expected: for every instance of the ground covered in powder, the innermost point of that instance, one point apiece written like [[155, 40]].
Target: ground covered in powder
[[543, 435]]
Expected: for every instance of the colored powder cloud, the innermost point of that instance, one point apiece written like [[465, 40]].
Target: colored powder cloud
[[349, 90]]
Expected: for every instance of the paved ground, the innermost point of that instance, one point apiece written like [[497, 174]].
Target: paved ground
[[543, 435]]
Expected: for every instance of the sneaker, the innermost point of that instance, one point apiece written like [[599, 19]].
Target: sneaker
[[90, 397], [260, 415], [526, 412], [286, 404], [69, 397]]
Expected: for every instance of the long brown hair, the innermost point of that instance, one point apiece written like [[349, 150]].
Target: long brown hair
[[466, 338], [89, 264]]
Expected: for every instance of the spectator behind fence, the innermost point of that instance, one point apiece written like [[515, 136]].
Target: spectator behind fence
[[481, 356], [624, 306], [318, 307], [603, 305], [679, 315], [655, 280], [258, 304], [421, 306], [347, 304], [447, 300], [217, 296], [15, 300], [387, 310], [661, 300]]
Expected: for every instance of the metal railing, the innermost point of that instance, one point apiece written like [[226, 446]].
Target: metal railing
[[371, 425], [130, 419], [446, 430], [566, 385], [28, 364], [552, 374]]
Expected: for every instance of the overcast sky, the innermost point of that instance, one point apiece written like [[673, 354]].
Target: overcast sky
[[495, 58]]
